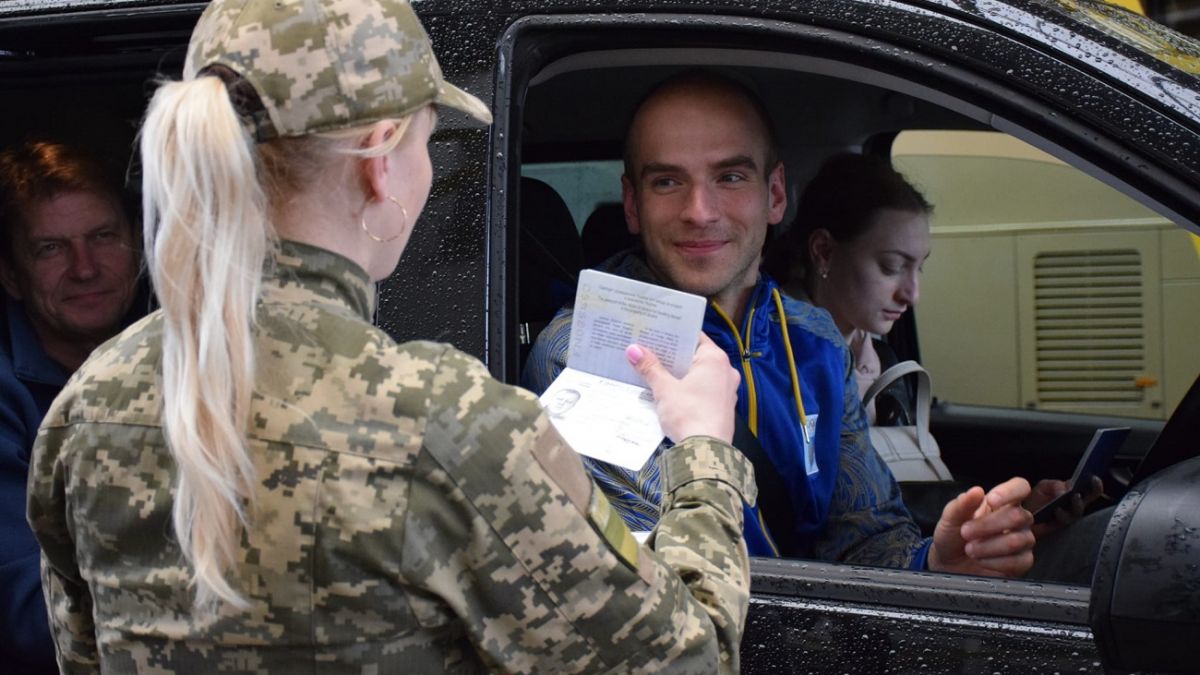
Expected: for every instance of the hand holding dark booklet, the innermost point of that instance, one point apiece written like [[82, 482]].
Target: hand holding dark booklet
[[1095, 462]]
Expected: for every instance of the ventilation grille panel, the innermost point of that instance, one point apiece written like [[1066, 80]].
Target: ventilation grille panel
[[1089, 327]]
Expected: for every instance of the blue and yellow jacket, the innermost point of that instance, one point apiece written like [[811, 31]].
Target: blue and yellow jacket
[[847, 507]]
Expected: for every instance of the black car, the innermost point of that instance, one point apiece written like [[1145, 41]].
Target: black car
[[1060, 141]]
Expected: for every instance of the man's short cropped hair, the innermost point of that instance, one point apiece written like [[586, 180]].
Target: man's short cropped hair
[[36, 171], [704, 77]]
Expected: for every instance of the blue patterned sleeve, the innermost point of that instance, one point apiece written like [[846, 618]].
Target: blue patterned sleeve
[[635, 495], [548, 357], [868, 522]]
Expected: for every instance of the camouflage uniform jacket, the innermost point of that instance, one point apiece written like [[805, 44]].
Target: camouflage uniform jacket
[[412, 515]]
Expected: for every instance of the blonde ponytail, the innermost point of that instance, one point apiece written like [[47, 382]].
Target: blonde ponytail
[[207, 239]]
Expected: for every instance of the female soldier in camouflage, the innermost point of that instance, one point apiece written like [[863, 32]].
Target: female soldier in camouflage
[[257, 479]]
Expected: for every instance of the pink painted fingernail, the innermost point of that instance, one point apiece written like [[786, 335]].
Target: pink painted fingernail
[[634, 353]]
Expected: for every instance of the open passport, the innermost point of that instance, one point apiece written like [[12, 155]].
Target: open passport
[[599, 403]]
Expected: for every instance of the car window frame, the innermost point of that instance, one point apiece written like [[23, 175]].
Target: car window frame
[[531, 43]]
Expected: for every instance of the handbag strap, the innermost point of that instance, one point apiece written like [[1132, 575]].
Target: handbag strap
[[889, 376], [925, 440]]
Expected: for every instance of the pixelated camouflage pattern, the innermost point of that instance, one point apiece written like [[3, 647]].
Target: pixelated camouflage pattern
[[320, 65], [412, 515]]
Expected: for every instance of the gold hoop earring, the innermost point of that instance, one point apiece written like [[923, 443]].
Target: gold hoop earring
[[383, 240]]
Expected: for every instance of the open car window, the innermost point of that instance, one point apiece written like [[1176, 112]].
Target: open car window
[[1031, 233]]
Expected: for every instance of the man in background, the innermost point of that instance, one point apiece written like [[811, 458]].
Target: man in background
[[69, 268]]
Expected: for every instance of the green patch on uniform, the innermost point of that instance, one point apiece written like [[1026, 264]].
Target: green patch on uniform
[[610, 526]]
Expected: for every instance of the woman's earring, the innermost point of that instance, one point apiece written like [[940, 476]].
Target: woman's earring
[[824, 274], [383, 240]]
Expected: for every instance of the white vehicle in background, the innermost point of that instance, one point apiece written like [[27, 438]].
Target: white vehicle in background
[[1093, 296]]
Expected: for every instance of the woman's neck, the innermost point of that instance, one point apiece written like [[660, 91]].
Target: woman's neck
[[328, 223], [811, 292]]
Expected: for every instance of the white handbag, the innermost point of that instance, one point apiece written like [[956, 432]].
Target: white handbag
[[910, 452]]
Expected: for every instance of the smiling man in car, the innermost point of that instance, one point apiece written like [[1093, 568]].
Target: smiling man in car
[[69, 269], [702, 184]]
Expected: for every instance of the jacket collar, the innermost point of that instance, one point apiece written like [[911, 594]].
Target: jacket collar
[[631, 264], [305, 273]]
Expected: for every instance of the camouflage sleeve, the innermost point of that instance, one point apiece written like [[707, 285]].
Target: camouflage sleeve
[[507, 531], [695, 533], [68, 600], [868, 522]]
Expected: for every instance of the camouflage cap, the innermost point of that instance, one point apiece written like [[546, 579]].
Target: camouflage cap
[[320, 65]]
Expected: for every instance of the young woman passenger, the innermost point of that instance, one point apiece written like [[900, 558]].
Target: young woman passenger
[[256, 478], [856, 248]]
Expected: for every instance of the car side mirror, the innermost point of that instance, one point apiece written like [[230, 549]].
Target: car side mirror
[[1145, 603]]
